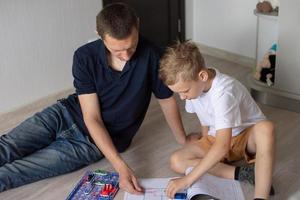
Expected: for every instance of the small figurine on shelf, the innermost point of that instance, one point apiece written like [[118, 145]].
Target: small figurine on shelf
[[265, 69], [267, 6]]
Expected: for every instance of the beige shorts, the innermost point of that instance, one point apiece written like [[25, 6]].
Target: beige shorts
[[238, 150]]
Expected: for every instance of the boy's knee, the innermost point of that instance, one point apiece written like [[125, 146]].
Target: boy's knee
[[269, 125], [265, 131], [175, 162], [266, 127]]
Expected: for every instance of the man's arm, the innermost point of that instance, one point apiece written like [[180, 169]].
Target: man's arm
[[92, 118], [172, 115], [217, 151]]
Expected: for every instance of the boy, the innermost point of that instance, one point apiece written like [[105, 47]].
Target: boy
[[233, 126]]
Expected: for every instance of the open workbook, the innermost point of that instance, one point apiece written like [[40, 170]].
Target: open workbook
[[216, 187]]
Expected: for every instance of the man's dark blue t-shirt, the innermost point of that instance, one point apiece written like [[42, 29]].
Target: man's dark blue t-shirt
[[124, 96]]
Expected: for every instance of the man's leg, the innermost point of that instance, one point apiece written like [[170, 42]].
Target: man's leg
[[70, 151], [47, 144], [31, 135], [262, 143]]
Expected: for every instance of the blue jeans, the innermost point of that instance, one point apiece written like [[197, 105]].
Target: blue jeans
[[45, 145]]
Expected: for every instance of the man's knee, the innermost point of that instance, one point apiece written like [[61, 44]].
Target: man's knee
[[4, 182]]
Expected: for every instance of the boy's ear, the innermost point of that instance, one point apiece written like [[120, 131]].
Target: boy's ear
[[203, 75]]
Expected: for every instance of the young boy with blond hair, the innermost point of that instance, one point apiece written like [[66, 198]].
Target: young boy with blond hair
[[232, 125]]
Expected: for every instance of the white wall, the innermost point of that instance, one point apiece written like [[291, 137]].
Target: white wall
[[38, 38], [227, 25], [189, 19], [288, 59]]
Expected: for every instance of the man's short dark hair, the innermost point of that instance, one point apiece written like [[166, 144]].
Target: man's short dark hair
[[116, 20]]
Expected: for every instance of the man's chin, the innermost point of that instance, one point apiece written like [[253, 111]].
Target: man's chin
[[124, 60]]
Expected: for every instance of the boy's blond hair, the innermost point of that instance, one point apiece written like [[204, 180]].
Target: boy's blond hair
[[182, 60]]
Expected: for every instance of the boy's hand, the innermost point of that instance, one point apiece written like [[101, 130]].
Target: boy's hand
[[192, 137], [175, 185], [129, 183]]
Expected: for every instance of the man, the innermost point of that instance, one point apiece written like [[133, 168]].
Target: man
[[114, 79]]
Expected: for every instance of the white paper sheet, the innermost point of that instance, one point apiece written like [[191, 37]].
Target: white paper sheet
[[220, 188], [217, 187], [154, 190]]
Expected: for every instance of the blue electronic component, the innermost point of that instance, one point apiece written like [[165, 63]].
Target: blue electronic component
[[97, 185], [180, 196]]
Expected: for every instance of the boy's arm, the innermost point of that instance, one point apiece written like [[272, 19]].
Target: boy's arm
[[216, 153], [172, 115], [194, 137], [93, 120], [218, 150], [204, 130]]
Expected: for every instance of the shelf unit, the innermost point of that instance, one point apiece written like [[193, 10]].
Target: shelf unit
[[285, 93]]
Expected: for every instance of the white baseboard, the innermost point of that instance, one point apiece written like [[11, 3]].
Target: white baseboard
[[14, 117], [226, 55]]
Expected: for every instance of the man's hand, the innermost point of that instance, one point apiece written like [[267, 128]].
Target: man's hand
[[175, 185], [92, 117], [128, 182]]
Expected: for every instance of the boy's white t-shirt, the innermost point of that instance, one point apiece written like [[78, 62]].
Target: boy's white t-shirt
[[227, 104]]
